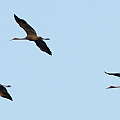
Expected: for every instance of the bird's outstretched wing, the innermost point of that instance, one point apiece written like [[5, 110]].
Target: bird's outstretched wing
[[42, 45], [23, 24], [115, 74], [4, 93]]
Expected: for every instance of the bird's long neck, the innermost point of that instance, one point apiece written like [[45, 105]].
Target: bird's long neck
[[20, 38]]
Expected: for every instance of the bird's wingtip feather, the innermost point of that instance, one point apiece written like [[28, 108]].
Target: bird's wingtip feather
[[14, 15], [50, 53]]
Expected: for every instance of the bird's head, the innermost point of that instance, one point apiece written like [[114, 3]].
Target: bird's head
[[14, 39]]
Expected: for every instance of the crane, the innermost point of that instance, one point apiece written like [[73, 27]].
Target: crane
[[4, 93], [32, 35]]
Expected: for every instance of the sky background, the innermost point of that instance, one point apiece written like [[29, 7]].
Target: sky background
[[70, 84]]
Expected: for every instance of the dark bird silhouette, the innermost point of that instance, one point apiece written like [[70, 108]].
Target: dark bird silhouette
[[113, 87], [115, 74], [4, 93], [32, 35]]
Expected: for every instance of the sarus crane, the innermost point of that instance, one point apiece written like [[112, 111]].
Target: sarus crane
[[115, 74], [113, 87], [4, 93], [32, 35]]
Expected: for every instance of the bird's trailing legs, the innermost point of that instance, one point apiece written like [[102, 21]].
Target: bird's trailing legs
[[6, 85], [46, 38]]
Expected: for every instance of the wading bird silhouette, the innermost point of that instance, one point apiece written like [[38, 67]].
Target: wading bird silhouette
[[32, 35], [4, 93], [115, 74], [113, 87]]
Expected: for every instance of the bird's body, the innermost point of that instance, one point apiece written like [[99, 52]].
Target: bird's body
[[115, 74], [32, 35], [4, 93], [113, 87]]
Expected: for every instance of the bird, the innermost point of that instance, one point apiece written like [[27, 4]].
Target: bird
[[115, 74], [113, 87], [4, 93], [32, 35]]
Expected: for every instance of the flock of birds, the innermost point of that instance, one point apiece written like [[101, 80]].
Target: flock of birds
[[31, 36]]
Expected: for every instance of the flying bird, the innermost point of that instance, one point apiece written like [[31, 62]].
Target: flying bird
[[32, 35], [115, 74], [113, 87], [4, 93]]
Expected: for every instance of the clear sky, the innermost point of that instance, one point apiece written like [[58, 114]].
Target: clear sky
[[70, 84]]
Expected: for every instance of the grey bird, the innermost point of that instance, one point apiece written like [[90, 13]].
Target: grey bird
[[114, 74], [4, 93], [32, 35]]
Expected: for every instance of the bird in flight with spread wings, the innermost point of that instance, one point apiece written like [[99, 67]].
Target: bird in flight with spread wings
[[115, 74], [4, 93], [32, 35]]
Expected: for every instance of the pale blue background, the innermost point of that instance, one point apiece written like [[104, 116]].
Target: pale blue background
[[70, 84]]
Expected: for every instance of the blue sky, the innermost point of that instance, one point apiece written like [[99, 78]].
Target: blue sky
[[70, 84]]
